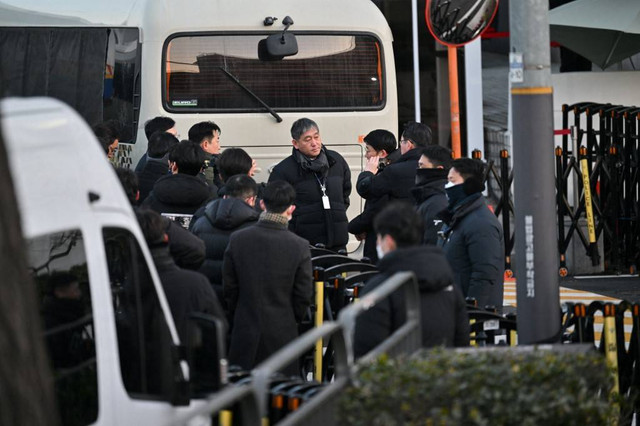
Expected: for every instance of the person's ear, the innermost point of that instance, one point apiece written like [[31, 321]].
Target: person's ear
[[295, 143], [138, 195], [383, 153], [262, 206], [290, 209]]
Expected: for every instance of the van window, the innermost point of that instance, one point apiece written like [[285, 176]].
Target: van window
[[59, 266], [330, 72], [143, 336]]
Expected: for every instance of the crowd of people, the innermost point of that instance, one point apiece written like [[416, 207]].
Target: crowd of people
[[240, 250]]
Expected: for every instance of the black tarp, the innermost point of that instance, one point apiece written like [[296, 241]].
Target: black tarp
[[64, 63]]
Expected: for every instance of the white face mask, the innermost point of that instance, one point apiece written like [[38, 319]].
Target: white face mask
[[379, 251], [450, 184]]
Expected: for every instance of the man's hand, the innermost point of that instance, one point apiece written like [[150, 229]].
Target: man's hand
[[372, 164], [254, 165]]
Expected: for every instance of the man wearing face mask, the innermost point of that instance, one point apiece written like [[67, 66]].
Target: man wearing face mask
[[472, 235], [429, 193], [443, 312]]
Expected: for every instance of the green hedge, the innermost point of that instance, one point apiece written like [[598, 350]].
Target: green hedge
[[502, 387]]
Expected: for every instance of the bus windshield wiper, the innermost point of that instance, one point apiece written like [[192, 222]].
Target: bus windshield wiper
[[253, 95]]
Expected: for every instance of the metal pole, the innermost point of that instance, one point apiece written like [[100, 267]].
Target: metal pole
[[416, 59], [455, 106], [535, 221]]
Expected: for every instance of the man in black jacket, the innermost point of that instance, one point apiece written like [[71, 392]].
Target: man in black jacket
[[221, 218], [156, 124], [472, 235], [442, 309], [398, 178], [267, 281], [381, 144], [429, 193], [322, 181], [181, 192], [207, 135], [186, 291], [186, 249], [157, 164]]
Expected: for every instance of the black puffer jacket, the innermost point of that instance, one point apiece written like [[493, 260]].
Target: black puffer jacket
[[179, 193], [310, 220], [395, 181], [154, 169], [221, 218], [430, 198], [443, 310], [474, 247]]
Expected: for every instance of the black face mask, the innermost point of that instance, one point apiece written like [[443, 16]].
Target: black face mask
[[455, 194], [424, 176]]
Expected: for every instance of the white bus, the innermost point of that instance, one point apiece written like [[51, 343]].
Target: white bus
[[197, 60]]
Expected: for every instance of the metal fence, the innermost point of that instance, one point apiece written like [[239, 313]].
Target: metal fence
[[253, 396]]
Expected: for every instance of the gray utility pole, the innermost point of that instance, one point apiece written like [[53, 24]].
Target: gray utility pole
[[535, 222]]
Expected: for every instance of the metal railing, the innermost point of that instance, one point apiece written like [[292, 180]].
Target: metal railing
[[321, 409]]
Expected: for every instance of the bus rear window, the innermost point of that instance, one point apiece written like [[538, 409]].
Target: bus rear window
[[330, 72]]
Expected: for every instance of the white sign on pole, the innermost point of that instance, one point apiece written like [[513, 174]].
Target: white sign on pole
[[516, 67]]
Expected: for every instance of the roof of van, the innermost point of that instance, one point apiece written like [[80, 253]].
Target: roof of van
[[169, 16], [56, 163]]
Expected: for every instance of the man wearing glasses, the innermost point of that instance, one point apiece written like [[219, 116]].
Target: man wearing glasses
[[396, 180]]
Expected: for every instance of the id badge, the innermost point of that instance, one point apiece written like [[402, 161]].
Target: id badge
[[325, 202]]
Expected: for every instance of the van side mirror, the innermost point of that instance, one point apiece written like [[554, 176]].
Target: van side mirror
[[206, 353]]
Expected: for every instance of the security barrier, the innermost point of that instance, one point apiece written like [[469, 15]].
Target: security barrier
[[264, 396]]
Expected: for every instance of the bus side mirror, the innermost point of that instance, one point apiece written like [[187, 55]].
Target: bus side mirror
[[277, 46], [206, 354]]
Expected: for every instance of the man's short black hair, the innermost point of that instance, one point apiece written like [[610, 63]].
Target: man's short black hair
[[438, 155], [60, 280], [400, 220], [188, 156], [106, 133], [240, 186], [160, 143], [129, 181], [278, 196], [301, 126], [418, 133], [158, 124], [233, 161], [380, 139], [203, 130], [469, 168], [152, 225]]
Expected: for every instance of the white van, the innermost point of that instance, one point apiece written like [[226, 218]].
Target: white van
[[198, 60], [112, 343]]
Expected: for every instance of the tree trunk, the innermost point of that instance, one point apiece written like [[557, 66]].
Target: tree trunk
[[26, 388]]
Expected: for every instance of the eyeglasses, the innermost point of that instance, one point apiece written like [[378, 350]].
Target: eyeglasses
[[405, 141]]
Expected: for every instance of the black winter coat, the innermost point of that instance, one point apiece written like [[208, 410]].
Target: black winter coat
[[310, 220], [179, 193], [268, 288], [431, 198], [186, 249], [221, 217], [474, 246], [186, 291], [363, 223], [395, 181], [443, 310], [153, 170]]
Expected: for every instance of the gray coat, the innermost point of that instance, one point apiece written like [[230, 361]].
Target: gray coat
[[268, 287], [474, 246]]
